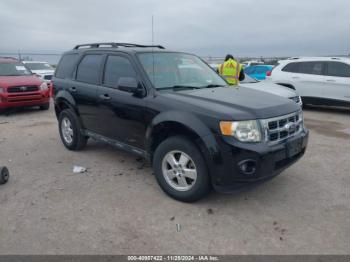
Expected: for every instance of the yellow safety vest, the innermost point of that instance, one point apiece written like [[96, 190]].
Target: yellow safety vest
[[230, 70]]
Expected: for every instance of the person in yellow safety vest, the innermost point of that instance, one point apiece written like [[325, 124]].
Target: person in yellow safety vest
[[231, 70]]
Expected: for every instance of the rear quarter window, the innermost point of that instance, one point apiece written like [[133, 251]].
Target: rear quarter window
[[66, 66]]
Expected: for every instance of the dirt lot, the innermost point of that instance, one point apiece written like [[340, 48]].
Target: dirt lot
[[118, 208]]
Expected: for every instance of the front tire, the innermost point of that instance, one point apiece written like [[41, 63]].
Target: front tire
[[71, 130], [4, 175], [180, 169]]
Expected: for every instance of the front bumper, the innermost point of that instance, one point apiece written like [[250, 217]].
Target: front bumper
[[24, 99], [267, 161]]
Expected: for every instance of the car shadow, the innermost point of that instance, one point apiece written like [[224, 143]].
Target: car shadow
[[327, 109]]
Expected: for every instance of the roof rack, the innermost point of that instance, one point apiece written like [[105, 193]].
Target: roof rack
[[116, 45], [8, 57]]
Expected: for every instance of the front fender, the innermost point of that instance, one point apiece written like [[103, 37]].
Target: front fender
[[206, 142]]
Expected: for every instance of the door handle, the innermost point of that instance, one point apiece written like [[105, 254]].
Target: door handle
[[73, 89], [105, 97], [330, 80], [295, 77]]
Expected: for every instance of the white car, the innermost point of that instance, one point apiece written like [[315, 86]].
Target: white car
[[271, 88], [318, 80], [43, 69]]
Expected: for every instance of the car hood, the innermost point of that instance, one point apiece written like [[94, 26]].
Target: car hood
[[271, 88], [43, 72], [7, 81], [235, 103]]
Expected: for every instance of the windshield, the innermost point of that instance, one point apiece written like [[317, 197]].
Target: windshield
[[249, 79], [39, 66], [13, 69], [170, 70]]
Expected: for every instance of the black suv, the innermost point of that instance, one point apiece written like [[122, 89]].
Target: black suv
[[174, 110]]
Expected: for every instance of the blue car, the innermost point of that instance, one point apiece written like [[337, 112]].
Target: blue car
[[258, 72]]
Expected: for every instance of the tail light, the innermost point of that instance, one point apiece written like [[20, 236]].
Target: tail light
[[268, 73]]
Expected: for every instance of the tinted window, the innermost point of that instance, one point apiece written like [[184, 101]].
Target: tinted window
[[66, 65], [314, 68], [292, 67], [117, 67], [13, 69], [338, 69], [89, 69]]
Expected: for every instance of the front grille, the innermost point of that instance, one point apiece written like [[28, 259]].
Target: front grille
[[296, 99], [280, 128], [21, 89], [48, 77]]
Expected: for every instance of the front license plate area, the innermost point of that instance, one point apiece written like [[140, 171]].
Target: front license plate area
[[294, 147]]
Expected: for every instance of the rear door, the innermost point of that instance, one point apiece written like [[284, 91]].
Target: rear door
[[337, 85], [121, 113], [84, 89]]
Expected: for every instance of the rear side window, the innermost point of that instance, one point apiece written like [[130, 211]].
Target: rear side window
[[66, 66], [117, 67], [338, 69], [89, 69], [291, 67], [313, 68]]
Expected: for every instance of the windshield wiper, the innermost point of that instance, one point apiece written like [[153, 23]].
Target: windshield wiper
[[175, 87], [211, 86]]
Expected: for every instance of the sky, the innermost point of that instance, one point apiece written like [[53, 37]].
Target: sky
[[204, 27]]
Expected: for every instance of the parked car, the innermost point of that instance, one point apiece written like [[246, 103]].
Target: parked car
[[20, 88], [42, 69], [318, 80], [197, 131], [272, 88], [252, 63], [258, 72]]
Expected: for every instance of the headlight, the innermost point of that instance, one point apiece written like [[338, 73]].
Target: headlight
[[43, 86], [244, 131]]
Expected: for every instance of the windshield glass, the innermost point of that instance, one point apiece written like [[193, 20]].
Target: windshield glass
[[13, 69], [39, 66], [249, 79], [167, 70]]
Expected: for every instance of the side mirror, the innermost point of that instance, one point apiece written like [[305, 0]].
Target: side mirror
[[128, 84]]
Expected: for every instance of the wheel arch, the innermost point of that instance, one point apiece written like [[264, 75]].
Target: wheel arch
[[64, 100], [177, 123]]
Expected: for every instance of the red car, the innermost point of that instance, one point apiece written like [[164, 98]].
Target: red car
[[19, 87]]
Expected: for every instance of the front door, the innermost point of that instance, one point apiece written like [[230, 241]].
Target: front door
[[121, 113]]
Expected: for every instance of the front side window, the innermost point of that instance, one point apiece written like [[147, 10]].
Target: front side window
[[13, 69], [167, 70], [117, 67], [313, 68], [291, 68], [89, 69], [338, 69]]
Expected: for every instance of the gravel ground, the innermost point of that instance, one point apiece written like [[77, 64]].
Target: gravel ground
[[118, 208]]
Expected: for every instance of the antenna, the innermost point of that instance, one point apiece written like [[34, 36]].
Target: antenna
[[154, 78]]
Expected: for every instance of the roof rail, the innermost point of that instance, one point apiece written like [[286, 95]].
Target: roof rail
[[116, 45], [8, 57]]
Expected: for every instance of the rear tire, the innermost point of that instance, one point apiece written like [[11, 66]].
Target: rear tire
[[186, 179], [45, 106], [70, 130], [4, 175]]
